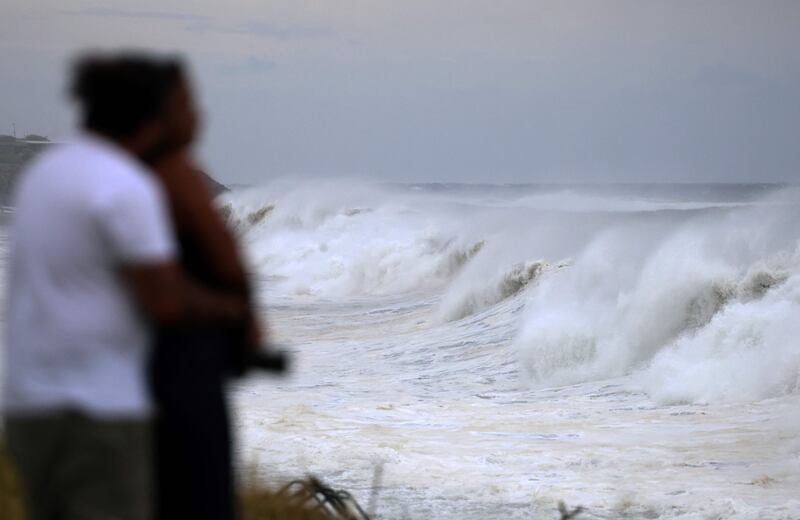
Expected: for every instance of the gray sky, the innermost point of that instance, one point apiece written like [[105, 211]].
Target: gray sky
[[448, 90]]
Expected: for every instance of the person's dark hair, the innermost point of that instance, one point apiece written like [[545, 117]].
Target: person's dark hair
[[119, 93]]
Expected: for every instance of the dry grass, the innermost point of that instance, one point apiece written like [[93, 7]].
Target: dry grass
[[263, 504]]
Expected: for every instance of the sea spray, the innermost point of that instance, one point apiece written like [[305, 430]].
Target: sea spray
[[610, 286], [641, 303], [349, 242], [466, 298], [672, 295]]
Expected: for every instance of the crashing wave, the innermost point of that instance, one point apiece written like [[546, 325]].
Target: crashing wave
[[482, 294], [255, 217], [747, 351], [712, 299], [243, 220], [643, 295], [695, 337], [457, 258]]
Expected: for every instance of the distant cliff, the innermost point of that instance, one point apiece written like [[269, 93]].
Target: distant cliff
[[15, 153]]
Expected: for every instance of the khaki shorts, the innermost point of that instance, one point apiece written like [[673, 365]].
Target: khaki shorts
[[73, 467]]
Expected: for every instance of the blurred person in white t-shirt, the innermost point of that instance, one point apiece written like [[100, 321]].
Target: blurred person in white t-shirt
[[93, 268]]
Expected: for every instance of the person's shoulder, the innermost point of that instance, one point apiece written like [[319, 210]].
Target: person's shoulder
[[100, 155], [108, 166], [45, 172], [51, 159], [130, 182], [107, 174], [80, 160]]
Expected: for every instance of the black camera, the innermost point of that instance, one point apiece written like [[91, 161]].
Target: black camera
[[274, 361]]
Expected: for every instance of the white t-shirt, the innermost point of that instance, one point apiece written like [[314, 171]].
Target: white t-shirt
[[75, 338]]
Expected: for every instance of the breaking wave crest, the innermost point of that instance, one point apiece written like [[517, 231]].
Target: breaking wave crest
[[698, 305], [347, 242], [708, 310], [466, 298]]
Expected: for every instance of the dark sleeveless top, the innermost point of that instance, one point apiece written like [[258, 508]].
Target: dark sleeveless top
[[190, 363]]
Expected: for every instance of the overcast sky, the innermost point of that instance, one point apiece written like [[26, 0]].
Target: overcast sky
[[447, 90]]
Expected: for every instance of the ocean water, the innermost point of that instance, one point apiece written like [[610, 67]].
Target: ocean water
[[488, 351]]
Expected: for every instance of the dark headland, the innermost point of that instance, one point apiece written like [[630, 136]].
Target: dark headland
[[16, 152]]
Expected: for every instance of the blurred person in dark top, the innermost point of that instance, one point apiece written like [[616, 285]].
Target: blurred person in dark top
[[94, 265], [192, 360]]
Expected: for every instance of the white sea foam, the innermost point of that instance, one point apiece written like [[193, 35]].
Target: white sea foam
[[747, 351], [629, 288], [636, 293], [345, 242], [497, 354], [466, 297]]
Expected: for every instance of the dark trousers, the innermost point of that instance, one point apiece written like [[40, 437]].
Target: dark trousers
[[74, 467], [194, 476]]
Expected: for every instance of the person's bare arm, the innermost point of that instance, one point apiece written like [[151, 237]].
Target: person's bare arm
[[194, 212], [165, 295]]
